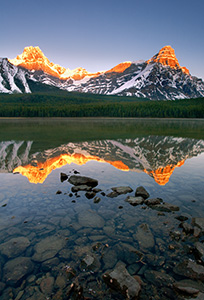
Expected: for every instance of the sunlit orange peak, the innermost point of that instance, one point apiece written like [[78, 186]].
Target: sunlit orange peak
[[33, 58], [120, 68], [38, 174], [163, 174], [167, 57]]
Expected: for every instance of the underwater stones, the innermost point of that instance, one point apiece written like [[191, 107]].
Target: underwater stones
[[199, 222], [159, 278], [188, 287], [16, 269], [82, 180], [120, 280], [141, 191], [190, 269], [46, 285], [199, 248], [144, 237], [90, 219], [14, 247], [48, 248], [134, 200]]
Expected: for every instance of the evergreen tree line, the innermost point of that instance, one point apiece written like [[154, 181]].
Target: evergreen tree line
[[79, 105]]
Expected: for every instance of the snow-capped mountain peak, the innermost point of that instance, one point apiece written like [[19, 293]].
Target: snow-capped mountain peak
[[160, 77]]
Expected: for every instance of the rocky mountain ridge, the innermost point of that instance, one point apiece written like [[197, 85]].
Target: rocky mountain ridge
[[160, 77]]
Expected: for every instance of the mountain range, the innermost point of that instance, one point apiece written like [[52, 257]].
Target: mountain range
[[159, 78]]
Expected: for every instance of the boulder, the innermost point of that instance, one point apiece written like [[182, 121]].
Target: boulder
[[134, 200], [48, 248], [153, 201], [16, 269], [144, 237], [167, 207], [159, 278], [199, 222], [82, 180], [90, 219], [14, 247], [63, 177], [190, 269], [120, 280], [140, 191], [78, 188], [122, 190]]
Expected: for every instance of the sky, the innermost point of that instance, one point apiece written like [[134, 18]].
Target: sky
[[97, 35]]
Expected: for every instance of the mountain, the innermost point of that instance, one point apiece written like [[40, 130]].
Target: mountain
[[157, 156], [160, 77]]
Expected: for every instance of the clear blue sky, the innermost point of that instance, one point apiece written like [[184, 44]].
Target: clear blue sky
[[97, 35]]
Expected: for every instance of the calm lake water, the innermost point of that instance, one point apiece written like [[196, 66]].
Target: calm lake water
[[58, 243]]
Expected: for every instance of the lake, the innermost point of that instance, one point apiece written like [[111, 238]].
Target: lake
[[64, 236]]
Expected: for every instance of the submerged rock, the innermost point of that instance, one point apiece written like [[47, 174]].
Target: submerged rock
[[82, 180], [188, 287], [134, 200], [199, 222], [191, 269], [159, 278], [144, 237], [140, 191], [199, 247], [90, 219], [120, 280], [14, 247], [16, 269], [48, 248], [90, 195]]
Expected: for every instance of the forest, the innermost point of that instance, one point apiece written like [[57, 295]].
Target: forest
[[94, 105]]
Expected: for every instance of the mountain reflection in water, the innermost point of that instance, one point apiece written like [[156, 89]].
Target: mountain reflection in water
[[157, 156]]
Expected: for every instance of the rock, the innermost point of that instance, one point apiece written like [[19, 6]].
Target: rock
[[200, 296], [140, 191], [112, 194], [96, 199], [90, 219], [46, 285], [88, 260], [58, 192], [63, 177], [96, 190], [61, 281], [90, 195], [110, 259], [78, 188], [196, 231], [82, 180], [187, 228], [144, 237], [190, 269], [199, 247], [122, 190], [16, 269], [159, 279], [2, 286], [134, 200], [167, 207], [48, 248], [14, 247], [199, 222], [187, 287], [128, 254], [153, 201], [120, 280], [181, 218]]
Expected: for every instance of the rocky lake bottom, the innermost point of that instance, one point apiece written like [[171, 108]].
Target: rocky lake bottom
[[81, 238]]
